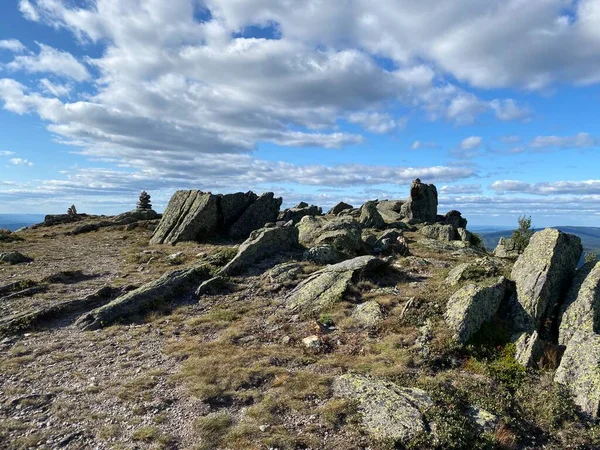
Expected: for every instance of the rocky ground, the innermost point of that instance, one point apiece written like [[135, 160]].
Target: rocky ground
[[279, 351]]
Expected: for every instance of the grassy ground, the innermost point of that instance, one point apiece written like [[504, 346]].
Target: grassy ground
[[232, 372]]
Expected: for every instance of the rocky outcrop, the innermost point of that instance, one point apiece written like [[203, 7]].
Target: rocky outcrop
[[469, 308], [341, 233], [544, 272], [328, 285], [388, 411], [190, 216], [58, 219], [422, 203], [439, 232], [581, 310], [195, 216], [370, 217], [234, 205], [264, 210], [506, 248], [341, 206], [262, 244], [14, 258], [323, 254], [298, 212], [391, 242], [390, 205], [170, 286], [455, 219], [579, 371]]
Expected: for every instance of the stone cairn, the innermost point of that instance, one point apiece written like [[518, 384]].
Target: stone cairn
[[143, 203], [72, 211]]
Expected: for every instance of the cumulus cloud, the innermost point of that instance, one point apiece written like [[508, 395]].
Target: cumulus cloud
[[55, 89], [508, 109], [51, 60], [12, 45], [461, 189], [471, 142], [6, 153], [377, 122], [423, 144], [20, 162]]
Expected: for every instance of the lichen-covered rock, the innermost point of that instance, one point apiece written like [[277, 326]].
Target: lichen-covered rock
[[341, 233], [264, 210], [476, 270], [14, 258], [506, 248], [455, 219], [579, 371], [190, 216], [298, 212], [282, 275], [422, 203], [341, 206], [439, 232], [370, 217], [171, 285], [390, 205], [529, 348], [472, 306], [261, 244], [544, 272], [581, 310], [211, 286], [391, 242], [234, 205], [388, 411], [327, 286], [368, 314], [323, 254]]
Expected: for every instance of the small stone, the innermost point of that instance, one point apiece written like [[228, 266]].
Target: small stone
[[312, 342]]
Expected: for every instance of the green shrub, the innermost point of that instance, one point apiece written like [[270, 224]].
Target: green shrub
[[522, 235], [591, 257]]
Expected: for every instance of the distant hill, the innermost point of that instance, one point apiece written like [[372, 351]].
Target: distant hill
[[590, 237], [15, 221]]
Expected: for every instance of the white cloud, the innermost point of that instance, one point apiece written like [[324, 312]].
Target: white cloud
[[508, 109], [21, 162], [12, 45], [585, 187], [461, 189], [28, 10], [471, 143], [423, 144], [580, 140], [57, 90], [6, 153], [377, 122], [51, 60]]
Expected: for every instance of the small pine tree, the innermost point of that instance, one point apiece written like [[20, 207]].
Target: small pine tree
[[72, 211], [591, 257], [144, 201], [521, 235]]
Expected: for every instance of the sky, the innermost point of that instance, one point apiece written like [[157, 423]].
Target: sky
[[496, 102]]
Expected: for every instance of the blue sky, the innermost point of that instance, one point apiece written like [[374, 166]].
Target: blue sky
[[496, 102]]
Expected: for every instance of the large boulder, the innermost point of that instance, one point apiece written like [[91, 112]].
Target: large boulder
[[262, 244], [506, 248], [422, 203], [439, 232], [529, 349], [470, 307], [341, 233], [455, 219], [475, 270], [264, 210], [370, 217], [388, 411], [323, 254], [581, 310], [298, 212], [579, 371], [544, 272], [327, 286], [234, 205], [190, 216], [391, 242], [341, 206], [172, 285], [390, 205], [58, 219], [368, 314]]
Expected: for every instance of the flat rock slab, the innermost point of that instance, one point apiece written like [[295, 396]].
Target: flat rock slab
[[581, 310], [470, 307], [388, 411], [544, 272], [476, 270], [14, 258], [328, 285], [579, 371], [170, 286]]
